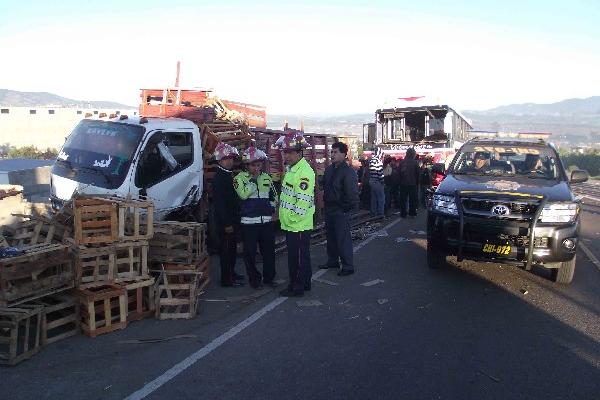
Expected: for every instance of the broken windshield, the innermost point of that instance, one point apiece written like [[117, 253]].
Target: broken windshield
[[536, 162], [99, 152]]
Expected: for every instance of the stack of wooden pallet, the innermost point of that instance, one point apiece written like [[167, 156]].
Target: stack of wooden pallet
[[110, 251], [178, 251], [35, 309]]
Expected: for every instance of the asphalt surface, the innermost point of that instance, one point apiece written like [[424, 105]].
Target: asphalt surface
[[469, 331]]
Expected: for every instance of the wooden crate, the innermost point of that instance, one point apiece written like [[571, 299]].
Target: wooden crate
[[140, 299], [136, 218], [93, 265], [34, 231], [177, 292], [103, 309], [60, 318], [95, 220], [40, 271], [20, 329], [178, 242], [131, 261]]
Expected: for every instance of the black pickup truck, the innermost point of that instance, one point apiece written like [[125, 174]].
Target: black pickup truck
[[506, 201]]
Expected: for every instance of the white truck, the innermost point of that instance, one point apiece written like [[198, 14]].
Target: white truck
[[160, 158]]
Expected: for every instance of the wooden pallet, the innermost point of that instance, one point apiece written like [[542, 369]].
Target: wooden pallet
[[140, 299], [177, 292], [95, 220], [103, 309], [60, 318], [36, 230], [20, 329], [40, 271], [131, 261], [93, 265], [178, 242]]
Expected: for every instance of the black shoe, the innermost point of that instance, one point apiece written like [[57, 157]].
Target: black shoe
[[290, 293], [345, 272], [327, 266]]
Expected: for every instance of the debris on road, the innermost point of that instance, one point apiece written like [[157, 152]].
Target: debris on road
[[356, 316], [344, 302], [425, 306], [524, 291], [156, 340], [489, 376], [309, 303], [402, 239], [373, 282], [325, 281], [414, 232], [382, 301]]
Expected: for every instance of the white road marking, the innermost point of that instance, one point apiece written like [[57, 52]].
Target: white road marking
[[178, 368], [589, 255]]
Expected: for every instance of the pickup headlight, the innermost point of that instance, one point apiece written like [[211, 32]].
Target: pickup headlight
[[560, 212], [445, 204]]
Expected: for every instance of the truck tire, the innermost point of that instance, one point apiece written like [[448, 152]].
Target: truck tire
[[564, 274], [435, 258]]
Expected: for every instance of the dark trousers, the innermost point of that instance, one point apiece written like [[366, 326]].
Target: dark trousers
[[410, 192], [262, 235], [298, 246], [227, 255], [339, 241]]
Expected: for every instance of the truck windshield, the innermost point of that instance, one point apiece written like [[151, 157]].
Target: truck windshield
[[536, 162], [99, 153]]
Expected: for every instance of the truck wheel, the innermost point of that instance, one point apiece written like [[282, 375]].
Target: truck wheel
[[564, 274], [435, 258]]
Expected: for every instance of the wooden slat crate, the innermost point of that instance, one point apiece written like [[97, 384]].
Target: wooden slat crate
[[20, 329], [103, 309], [36, 230], [93, 265], [140, 299], [95, 220], [131, 261], [177, 292], [178, 242], [60, 318], [203, 266], [40, 271], [136, 218]]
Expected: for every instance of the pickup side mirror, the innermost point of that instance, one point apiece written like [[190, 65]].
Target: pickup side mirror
[[579, 176], [438, 168]]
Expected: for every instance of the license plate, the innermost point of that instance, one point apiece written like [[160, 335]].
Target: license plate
[[501, 250]]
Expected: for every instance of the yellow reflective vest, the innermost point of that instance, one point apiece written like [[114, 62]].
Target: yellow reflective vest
[[297, 198]]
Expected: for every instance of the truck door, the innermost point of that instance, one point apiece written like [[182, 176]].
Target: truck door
[[159, 178]]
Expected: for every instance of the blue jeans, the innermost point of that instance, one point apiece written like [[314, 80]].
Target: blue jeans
[[377, 198]]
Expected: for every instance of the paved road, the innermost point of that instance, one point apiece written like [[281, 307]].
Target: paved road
[[464, 332]]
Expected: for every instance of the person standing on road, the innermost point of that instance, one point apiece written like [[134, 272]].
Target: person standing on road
[[387, 184], [376, 183], [296, 211], [226, 214], [340, 197], [258, 199], [409, 179]]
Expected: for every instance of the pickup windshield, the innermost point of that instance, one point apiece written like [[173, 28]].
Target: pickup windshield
[[99, 153], [532, 161]]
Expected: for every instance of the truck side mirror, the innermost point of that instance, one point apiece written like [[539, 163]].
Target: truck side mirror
[[438, 168], [579, 176]]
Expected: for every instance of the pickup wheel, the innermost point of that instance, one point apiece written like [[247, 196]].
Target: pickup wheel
[[435, 258], [564, 274]]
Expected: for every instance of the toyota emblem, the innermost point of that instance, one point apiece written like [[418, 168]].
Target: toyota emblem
[[501, 210]]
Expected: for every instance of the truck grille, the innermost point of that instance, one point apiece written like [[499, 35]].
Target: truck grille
[[483, 207]]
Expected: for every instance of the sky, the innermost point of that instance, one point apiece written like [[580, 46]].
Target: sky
[[329, 57]]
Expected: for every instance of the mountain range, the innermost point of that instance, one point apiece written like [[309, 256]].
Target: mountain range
[[579, 117]]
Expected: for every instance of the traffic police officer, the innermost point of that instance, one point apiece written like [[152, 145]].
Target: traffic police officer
[[258, 199], [296, 211]]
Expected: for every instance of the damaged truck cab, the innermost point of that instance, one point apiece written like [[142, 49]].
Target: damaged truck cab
[[160, 158], [506, 201]]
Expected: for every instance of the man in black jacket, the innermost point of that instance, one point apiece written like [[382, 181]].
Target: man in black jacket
[[341, 197], [226, 213], [409, 178]]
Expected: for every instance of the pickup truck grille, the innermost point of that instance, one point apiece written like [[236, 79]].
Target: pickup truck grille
[[522, 210]]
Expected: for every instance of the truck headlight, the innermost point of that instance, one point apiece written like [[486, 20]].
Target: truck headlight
[[444, 203], [560, 212]]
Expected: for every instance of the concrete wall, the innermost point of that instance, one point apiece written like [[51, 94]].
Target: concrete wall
[[48, 127], [35, 182]]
